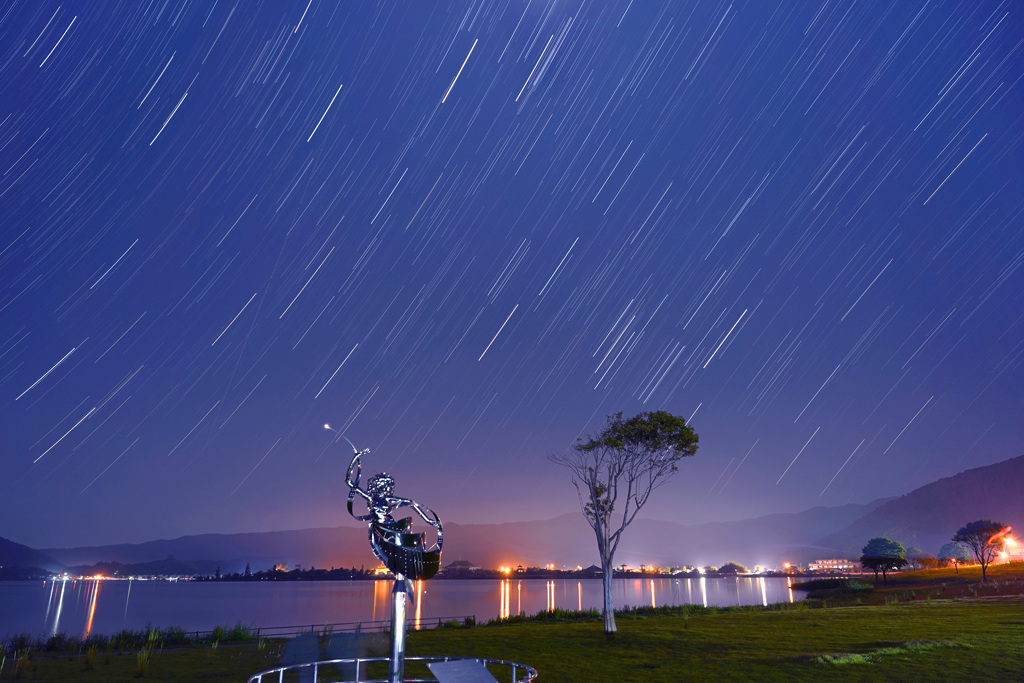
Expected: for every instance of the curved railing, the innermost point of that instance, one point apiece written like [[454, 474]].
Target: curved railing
[[362, 668]]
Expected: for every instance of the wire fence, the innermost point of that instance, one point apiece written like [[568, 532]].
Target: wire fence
[[381, 625]]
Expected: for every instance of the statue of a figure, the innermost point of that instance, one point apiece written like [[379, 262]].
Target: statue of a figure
[[392, 540]]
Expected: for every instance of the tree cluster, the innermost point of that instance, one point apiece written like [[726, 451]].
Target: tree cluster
[[311, 574], [954, 554], [984, 539], [883, 555]]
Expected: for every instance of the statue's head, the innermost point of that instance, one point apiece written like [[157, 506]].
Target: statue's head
[[381, 485]]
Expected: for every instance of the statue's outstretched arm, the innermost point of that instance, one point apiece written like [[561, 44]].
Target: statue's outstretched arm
[[428, 515], [355, 469], [352, 479], [362, 518]]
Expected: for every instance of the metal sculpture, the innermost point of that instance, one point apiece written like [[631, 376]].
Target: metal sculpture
[[392, 540], [394, 543]]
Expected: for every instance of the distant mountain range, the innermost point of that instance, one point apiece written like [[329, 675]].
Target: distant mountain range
[[566, 540], [17, 555], [929, 516], [926, 518]]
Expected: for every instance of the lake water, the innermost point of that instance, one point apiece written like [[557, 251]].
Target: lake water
[[108, 606]]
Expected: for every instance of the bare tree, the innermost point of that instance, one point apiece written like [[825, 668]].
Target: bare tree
[[615, 472]]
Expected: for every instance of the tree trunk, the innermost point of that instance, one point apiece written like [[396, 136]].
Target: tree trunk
[[609, 607]]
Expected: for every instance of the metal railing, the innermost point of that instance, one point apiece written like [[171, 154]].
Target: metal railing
[[355, 626], [363, 668]]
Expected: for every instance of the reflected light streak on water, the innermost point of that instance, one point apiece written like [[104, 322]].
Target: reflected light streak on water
[[205, 605], [94, 594], [127, 597], [419, 604], [381, 598], [503, 593], [49, 603], [60, 607]]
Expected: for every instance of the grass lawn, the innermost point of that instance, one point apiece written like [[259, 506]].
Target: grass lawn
[[930, 625], [224, 663], [937, 640]]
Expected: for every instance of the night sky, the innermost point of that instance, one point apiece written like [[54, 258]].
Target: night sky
[[464, 232]]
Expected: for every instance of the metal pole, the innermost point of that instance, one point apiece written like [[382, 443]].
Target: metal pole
[[399, 598]]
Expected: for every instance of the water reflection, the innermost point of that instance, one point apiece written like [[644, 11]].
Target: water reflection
[[49, 603], [503, 599], [60, 607], [382, 599], [418, 597], [108, 606], [655, 592], [127, 597], [94, 594]]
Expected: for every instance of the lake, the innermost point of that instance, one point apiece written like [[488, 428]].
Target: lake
[[106, 606]]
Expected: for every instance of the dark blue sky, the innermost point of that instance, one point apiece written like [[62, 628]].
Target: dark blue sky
[[463, 233]]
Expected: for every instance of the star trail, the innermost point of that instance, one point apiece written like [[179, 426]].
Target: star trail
[[464, 232]]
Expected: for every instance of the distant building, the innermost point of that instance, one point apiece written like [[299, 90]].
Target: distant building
[[840, 566], [1013, 551], [461, 566]]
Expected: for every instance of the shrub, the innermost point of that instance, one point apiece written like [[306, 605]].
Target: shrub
[[240, 632], [90, 658], [58, 641], [142, 662]]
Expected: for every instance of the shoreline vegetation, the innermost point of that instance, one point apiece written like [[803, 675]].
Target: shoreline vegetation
[[928, 624]]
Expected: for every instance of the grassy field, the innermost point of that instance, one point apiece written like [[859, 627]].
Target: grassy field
[[931, 625], [937, 640], [224, 663]]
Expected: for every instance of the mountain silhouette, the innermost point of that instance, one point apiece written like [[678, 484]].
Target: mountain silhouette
[[926, 518], [17, 555]]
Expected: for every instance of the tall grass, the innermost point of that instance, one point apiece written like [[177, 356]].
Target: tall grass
[[125, 640]]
